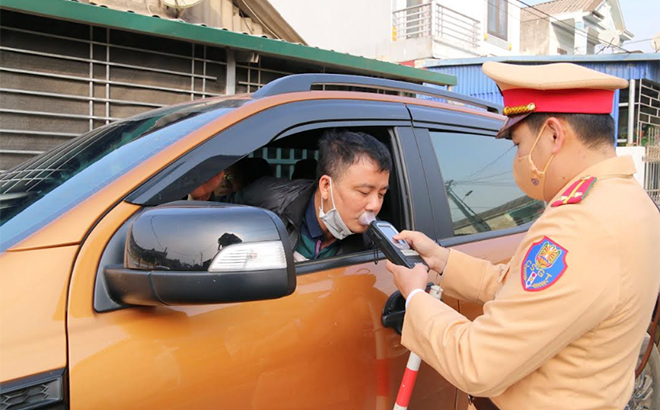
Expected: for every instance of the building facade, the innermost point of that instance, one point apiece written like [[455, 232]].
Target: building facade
[[407, 31], [570, 27]]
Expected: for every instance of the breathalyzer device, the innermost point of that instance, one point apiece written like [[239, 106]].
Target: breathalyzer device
[[397, 251]]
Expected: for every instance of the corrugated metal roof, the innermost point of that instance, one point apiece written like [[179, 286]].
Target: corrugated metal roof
[[558, 7], [469, 76], [100, 16], [473, 82]]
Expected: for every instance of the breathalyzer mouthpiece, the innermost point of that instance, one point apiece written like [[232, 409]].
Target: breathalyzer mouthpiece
[[367, 218]]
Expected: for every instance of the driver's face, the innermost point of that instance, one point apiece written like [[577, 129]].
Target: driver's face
[[361, 188]]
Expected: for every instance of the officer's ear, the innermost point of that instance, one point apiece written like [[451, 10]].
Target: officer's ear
[[558, 129]]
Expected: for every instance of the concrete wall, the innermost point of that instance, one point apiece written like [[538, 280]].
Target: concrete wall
[[357, 27], [536, 38], [410, 49], [562, 37]]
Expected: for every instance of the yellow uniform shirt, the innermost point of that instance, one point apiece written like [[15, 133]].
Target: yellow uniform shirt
[[564, 321]]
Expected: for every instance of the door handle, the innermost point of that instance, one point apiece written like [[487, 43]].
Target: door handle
[[395, 310]]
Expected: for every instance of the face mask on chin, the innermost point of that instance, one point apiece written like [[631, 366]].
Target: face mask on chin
[[332, 219], [528, 177]]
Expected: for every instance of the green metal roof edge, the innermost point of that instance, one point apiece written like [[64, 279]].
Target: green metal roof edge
[[101, 16]]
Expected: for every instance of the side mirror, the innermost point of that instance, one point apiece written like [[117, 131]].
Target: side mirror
[[186, 253]]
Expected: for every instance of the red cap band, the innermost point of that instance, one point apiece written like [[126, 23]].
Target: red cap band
[[578, 101]]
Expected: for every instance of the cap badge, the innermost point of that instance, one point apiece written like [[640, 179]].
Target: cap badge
[[519, 109]]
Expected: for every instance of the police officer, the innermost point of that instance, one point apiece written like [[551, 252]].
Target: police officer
[[564, 320]]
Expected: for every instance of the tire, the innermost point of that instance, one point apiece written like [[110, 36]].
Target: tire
[[646, 393]]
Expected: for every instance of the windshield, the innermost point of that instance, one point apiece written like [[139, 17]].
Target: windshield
[[39, 190]]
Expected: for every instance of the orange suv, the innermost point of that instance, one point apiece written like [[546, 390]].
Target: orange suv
[[117, 294]]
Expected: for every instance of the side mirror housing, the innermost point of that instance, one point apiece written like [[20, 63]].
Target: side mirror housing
[[187, 253]]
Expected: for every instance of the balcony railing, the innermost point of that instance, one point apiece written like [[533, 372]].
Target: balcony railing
[[436, 21]]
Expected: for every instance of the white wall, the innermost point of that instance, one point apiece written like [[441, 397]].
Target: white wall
[[562, 36], [513, 40], [637, 153], [478, 10], [362, 27]]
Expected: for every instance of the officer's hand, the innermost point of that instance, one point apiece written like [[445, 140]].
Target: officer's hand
[[407, 280], [433, 254]]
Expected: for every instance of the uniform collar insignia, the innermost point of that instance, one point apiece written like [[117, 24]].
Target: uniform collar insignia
[[576, 192]]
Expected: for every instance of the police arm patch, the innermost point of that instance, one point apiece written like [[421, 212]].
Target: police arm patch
[[543, 265]]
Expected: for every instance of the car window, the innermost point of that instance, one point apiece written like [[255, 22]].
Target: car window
[[286, 161], [290, 165], [296, 158], [478, 179], [36, 192]]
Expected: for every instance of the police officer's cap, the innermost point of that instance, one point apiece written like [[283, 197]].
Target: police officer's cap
[[555, 88]]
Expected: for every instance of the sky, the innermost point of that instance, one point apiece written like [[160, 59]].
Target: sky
[[641, 18]]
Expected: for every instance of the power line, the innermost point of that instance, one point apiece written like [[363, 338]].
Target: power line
[[638, 41], [486, 177], [565, 26], [489, 164]]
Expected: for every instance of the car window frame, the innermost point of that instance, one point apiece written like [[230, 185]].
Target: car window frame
[[283, 120], [226, 147]]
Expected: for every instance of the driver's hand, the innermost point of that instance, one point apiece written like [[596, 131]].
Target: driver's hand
[[433, 254], [203, 192]]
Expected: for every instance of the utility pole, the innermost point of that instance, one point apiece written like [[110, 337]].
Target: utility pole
[[475, 220]]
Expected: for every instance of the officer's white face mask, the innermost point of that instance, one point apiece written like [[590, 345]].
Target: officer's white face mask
[[332, 219], [528, 177]]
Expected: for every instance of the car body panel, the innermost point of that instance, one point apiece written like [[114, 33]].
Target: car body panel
[[33, 294], [256, 355]]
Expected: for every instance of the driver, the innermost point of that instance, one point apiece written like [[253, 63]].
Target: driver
[[323, 217]]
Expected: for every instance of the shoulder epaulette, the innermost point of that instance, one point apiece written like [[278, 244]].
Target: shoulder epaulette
[[575, 193]]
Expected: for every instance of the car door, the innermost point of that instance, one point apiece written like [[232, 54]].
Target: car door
[[477, 207], [321, 347]]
